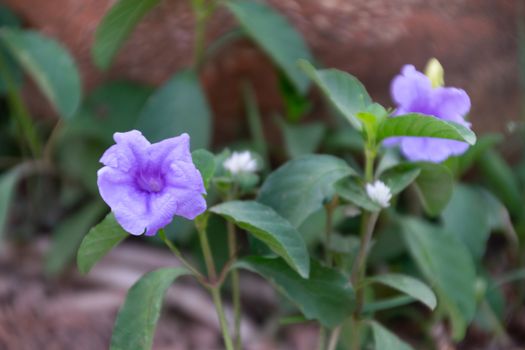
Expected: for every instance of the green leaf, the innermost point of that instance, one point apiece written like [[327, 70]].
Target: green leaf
[[353, 190], [421, 125], [467, 217], [98, 242], [386, 340], [50, 66], [302, 139], [205, 162], [325, 296], [343, 90], [447, 265], [266, 225], [299, 188], [408, 285], [8, 183], [136, 320], [115, 27], [400, 176], [296, 105], [68, 235], [177, 107], [8, 19], [434, 186], [276, 37]]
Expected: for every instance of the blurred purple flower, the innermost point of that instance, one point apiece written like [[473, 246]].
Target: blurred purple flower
[[147, 184], [413, 93]]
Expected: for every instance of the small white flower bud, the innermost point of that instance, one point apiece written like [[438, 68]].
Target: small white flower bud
[[379, 193], [240, 162]]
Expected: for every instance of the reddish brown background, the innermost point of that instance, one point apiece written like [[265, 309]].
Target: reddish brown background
[[476, 41]]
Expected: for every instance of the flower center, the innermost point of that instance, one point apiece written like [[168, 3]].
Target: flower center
[[150, 182]]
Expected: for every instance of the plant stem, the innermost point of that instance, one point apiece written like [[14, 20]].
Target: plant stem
[[216, 295], [334, 338], [236, 293]]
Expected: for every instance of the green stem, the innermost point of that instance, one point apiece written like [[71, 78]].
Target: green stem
[[201, 223], [235, 285], [334, 338], [216, 295]]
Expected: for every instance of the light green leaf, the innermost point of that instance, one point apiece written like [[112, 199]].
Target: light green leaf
[[434, 185], [421, 125], [136, 320], [467, 217], [400, 176], [177, 107], [272, 32], [50, 66], [98, 242], [8, 183], [408, 285], [266, 225], [344, 90], [116, 26], [68, 235], [205, 162], [302, 139], [299, 188], [386, 340], [325, 296], [447, 265], [353, 190]]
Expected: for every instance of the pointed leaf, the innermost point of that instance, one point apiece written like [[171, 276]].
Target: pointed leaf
[[302, 139], [205, 162], [272, 32], [268, 226], [298, 188], [434, 185], [342, 89], [136, 320], [116, 26], [176, 107], [49, 64], [421, 125], [325, 296], [384, 339], [408, 285], [447, 265], [400, 176], [98, 242]]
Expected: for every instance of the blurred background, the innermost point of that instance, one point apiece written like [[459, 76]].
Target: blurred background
[[60, 106]]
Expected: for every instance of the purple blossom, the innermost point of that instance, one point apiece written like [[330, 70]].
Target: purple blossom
[[412, 91], [147, 184]]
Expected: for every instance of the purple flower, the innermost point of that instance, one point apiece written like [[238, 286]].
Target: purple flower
[[413, 93], [147, 184]]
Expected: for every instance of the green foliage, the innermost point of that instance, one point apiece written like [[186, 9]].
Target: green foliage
[[300, 187], [447, 265], [50, 66], [98, 242], [178, 106], [8, 183], [272, 32], [116, 26], [302, 139], [266, 225], [384, 339], [434, 186], [137, 319], [205, 162], [325, 296], [353, 190], [400, 176]]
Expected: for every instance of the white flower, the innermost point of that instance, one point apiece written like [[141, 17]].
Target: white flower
[[240, 162], [379, 193]]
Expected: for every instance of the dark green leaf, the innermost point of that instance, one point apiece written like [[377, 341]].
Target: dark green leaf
[[400, 176], [325, 296], [8, 183], [299, 188], [353, 190], [408, 285], [386, 340], [136, 320], [98, 242], [275, 36], [179, 106], [8, 19], [266, 225], [447, 265], [421, 125], [434, 186], [116, 26], [296, 105], [205, 162], [345, 91], [68, 235], [50, 66], [302, 139]]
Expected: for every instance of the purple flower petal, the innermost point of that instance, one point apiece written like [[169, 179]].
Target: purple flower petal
[[147, 184]]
